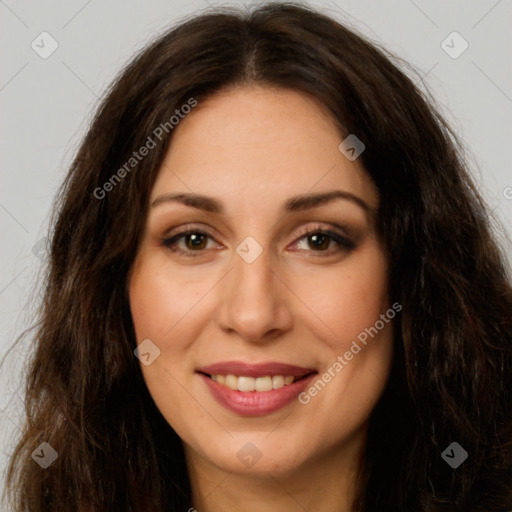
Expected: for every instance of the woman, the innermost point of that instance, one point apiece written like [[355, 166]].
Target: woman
[[272, 286]]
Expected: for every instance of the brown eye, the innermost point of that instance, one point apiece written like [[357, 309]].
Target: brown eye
[[191, 241], [195, 241], [321, 240]]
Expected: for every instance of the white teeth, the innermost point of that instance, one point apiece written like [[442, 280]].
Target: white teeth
[[245, 384], [231, 382], [277, 381], [263, 384]]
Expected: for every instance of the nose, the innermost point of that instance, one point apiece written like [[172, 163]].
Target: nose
[[254, 305]]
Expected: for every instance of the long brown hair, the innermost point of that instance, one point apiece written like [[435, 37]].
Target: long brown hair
[[451, 379]]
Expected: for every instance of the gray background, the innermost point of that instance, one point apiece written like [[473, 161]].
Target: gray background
[[46, 105]]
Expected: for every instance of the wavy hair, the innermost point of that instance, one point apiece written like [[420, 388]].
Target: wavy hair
[[451, 378]]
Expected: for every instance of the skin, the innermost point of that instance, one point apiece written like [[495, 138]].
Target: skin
[[252, 148]]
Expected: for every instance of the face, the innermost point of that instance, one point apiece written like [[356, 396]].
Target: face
[[268, 317]]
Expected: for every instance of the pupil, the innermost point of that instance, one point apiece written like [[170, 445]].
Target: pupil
[[196, 240], [319, 238]]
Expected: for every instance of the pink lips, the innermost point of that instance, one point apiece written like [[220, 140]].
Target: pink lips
[[255, 403]]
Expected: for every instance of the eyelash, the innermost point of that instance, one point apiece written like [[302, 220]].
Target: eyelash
[[343, 242]]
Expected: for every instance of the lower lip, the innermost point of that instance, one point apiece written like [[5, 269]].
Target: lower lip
[[255, 403]]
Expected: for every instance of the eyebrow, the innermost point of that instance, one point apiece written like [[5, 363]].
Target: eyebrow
[[293, 204]]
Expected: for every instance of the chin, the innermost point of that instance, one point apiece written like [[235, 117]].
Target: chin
[[257, 455]]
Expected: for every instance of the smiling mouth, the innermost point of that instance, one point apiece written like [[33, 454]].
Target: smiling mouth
[[260, 384], [255, 389]]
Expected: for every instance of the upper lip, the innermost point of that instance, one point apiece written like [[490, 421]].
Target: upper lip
[[239, 368]]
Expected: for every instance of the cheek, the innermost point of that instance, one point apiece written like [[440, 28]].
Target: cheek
[[169, 308], [157, 299], [162, 313], [348, 299], [359, 342]]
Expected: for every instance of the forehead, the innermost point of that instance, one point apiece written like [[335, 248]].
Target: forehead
[[262, 143]]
